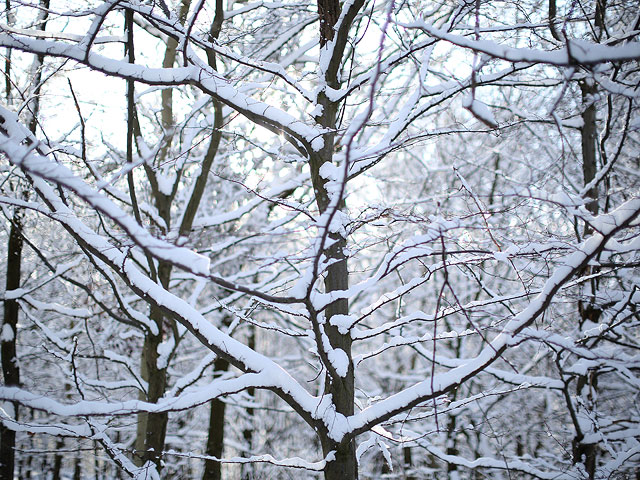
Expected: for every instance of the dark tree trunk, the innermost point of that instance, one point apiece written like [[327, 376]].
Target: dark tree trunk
[[588, 135], [586, 453], [57, 460], [152, 427], [328, 12], [408, 463], [96, 462], [10, 367], [77, 469], [340, 387], [154, 424], [34, 104], [215, 439], [452, 446], [247, 432], [26, 460]]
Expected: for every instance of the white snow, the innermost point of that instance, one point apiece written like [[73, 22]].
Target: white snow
[[7, 334], [339, 360], [480, 111], [343, 322]]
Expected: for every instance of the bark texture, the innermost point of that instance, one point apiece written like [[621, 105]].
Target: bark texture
[[339, 387], [586, 385], [215, 439], [10, 366]]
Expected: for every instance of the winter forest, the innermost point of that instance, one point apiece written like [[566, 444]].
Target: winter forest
[[359, 239]]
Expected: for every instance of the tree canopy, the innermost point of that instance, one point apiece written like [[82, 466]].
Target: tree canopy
[[339, 240]]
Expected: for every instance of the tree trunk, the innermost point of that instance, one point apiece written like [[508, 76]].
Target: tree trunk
[[247, 432], [10, 368], [586, 453], [215, 440], [8, 333], [345, 465], [77, 469], [588, 136], [408, 464], [340, 387], [57, 460], [26, 461], [452, 447], [152, 427], [96, 461]]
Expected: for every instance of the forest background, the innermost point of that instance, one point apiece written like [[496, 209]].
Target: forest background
[[360, 239]]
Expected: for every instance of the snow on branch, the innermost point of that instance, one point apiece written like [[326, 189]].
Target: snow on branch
[[428, 389], [575, 52], [200, 75]]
